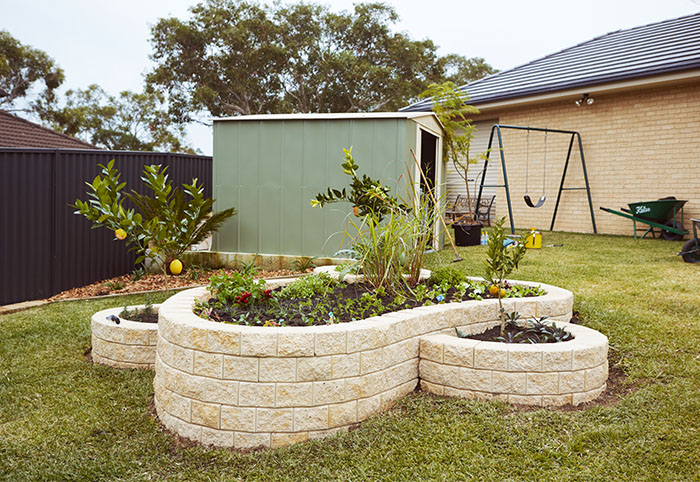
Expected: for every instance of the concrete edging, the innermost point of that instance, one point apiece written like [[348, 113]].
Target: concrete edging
[[130, 344]]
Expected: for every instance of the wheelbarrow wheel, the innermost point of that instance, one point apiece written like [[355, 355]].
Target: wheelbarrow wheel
[[669, 236], [692, 252]]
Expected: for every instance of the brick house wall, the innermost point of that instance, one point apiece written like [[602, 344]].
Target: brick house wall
[[639, 145]]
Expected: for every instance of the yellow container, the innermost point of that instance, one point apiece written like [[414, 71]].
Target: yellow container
[[534, 239]]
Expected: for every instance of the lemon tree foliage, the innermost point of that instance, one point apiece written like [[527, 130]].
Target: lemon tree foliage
[[241, 57], [163, 224]]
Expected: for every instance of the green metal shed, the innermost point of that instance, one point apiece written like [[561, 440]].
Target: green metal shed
[[269, 167]]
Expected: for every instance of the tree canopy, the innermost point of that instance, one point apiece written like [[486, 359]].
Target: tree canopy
[[22, 68], [239, 57]]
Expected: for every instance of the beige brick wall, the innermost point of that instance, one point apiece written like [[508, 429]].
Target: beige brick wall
[[639, 145]]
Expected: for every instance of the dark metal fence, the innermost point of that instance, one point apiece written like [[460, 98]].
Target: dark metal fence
[[44, 247]]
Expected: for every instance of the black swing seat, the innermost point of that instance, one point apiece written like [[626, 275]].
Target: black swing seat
[[529, 202]]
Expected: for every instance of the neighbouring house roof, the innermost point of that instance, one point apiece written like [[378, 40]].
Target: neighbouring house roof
[[659, 48], [18, 132]]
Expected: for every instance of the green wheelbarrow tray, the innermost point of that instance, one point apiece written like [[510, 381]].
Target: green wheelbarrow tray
[[661, 214], [658, 211]]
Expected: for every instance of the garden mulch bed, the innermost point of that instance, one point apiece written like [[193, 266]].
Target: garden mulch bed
[[153, 282]]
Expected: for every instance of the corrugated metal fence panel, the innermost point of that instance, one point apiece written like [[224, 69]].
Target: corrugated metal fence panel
[[45, 247]]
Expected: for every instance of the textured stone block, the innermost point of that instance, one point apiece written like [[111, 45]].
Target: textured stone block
[[430, 349], [366, 407], [312, 369], [314, 418], [400, 352], [294, 394], [460, 353], [578, 398], [222, 391], [244, 369], [318, 434], [177, 357], [433, 388], [330, 341], [505, 382], [256, 394], [556, 400], [326, 392], [570, 382], [589, 357], [557, 358], [274, 420], [542, 383], [491, 355], [363, 336], [217, 438], [235, 418], [284, 439], [226, 342], [596, 377], [208, 364], [259, 342], [206, 414], [535, 400], [458, 393], [295, 342], [342, 414], [343, 366], [471, 379], [371, 360], [278, 370], [243, 440], [524, 358]]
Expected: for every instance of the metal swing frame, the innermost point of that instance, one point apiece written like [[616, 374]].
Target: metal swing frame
[[496, 129]]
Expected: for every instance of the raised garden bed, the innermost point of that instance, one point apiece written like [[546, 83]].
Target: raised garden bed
[[127, 344], [246, 386]]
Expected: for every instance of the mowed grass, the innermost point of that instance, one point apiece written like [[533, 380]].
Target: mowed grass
[[64, 419]]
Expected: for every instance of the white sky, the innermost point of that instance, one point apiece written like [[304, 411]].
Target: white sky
[[107, 41]]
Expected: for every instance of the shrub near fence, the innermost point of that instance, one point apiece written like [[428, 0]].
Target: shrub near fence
[[44, 248]]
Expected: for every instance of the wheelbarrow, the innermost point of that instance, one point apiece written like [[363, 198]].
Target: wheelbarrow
[[662, 214], [691, 249]]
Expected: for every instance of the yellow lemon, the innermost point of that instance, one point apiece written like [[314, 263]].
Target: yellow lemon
[[502, 293], [120, 233], [176, 267], [494, 290]]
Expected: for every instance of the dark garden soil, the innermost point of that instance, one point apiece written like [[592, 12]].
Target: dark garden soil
[[346, 303], [126, 284], [151, 317], [494, 334]]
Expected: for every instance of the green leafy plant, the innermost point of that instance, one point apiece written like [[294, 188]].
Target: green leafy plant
[[501, 261], [239, 289], [308, 286], [304, 263], [138, 273], [115, 285], [448, 274]]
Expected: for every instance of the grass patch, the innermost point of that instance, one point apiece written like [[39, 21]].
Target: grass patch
[[64, 419]]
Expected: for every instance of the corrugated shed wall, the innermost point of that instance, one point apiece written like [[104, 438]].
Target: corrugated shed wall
[[44, 247]]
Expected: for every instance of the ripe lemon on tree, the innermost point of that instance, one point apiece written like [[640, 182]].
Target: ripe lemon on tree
[[120, 234], [176, 267], [494, 290]]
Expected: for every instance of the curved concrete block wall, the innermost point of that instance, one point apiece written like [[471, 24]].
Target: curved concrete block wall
[[130, 344], [237, 386]]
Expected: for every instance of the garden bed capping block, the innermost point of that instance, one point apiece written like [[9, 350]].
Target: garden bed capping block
[[243, 387], [130, 344]]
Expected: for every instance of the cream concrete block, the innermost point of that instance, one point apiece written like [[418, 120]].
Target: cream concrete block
[[294, 394], [557, 357], [360, 387], [596, 377], [408, 371], [176, 356], [434, 318], [235, 418], [217, 438], [400, 352], [256, 394], [542, 383], [343, 366], [478, 311], [589, 357], [274, 420], [188, 430], [164, 351], [535, 400], [342, 414], [364, 335], [295, 342], [244, 440], [570, 382], [431, 371], [366, 407], [313, 369], [432, 388], [208, 364], [471, 379], [259, 342], [491, 355], [190, 386], [285, 439], [194, 337], [314, 418], [241, 368], [524, 358], [222, 391], [556, 303], [512, 383], [371, 360], [331, 340], [278, 369], [389, 398], [527, 307], [578, 398], [226, 342], [556, 400], [458, 393], [206, 414], [431, 348], [460, 353], [329, 392], [318, 434], [408, 387]]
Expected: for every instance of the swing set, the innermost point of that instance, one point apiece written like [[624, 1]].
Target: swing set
[[496, 129]]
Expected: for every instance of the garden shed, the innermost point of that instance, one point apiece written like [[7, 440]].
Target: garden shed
[[270, 167]]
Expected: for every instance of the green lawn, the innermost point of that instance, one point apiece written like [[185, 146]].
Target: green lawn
[[64, 419]]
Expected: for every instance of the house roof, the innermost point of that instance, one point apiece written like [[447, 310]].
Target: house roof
[[18, 132], [658, 48]]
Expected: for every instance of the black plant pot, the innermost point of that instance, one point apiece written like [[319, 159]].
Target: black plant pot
[[468, 235]]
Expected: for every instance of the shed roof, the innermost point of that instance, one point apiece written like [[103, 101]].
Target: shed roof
[[658, 48], [18, 132], [328, 116]]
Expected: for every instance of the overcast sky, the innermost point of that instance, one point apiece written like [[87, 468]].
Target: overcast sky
[[107, 41]]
